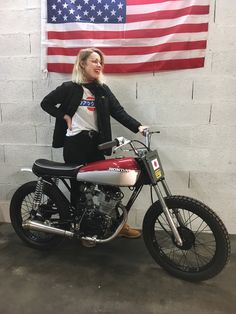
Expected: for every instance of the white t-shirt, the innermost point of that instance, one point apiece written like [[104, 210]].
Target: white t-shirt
[[85, 117]]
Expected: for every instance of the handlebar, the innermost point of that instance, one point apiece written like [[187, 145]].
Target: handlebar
[[148, 134], [121, 141], [118, 142], [108, 145]]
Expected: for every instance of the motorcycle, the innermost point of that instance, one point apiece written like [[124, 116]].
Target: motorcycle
[[182, 234]]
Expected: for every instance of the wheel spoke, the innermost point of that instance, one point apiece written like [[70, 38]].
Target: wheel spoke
[[205, 245], [199, 253], [25, 208]]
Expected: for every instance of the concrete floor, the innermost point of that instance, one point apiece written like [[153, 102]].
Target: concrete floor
[[118, 277]]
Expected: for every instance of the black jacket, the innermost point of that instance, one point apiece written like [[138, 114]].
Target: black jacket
[[66, 98]]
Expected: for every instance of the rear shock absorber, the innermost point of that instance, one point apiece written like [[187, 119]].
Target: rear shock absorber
[[38, 195]]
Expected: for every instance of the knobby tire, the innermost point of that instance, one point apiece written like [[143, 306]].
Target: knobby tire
[[207, 246]]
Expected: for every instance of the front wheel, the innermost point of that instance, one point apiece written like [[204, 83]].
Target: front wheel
[[206, 246]]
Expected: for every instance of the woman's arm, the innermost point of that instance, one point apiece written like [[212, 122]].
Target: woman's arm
[[52, 102], [119, 113]]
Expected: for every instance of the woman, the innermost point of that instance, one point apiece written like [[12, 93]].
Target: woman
[[83, 116]]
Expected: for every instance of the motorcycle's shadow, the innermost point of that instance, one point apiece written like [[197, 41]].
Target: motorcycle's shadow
[[126, 255], [121, 257]]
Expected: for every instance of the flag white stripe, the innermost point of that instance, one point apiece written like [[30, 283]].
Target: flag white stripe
[[128, 59], [175, 5], [143, 42], [152, 24], [134, 42]]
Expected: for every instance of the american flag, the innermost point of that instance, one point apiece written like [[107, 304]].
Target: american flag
[[135, 35]]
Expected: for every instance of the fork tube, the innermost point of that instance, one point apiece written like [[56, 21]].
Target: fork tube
[[166, 188], [168, 216], [176, 211]]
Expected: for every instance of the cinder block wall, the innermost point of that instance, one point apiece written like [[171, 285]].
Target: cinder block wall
[[195, 110]]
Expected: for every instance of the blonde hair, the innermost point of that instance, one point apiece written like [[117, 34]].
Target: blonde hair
[[78, 74]]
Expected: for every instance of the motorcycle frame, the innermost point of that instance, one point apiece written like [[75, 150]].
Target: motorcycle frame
[[53, 182], [147, 179]]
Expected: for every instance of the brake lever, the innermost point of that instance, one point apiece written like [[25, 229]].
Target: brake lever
[[120, 146], [122, 141]]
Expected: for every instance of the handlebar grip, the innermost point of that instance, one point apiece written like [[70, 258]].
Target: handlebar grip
[[108, 145], [145, 131]]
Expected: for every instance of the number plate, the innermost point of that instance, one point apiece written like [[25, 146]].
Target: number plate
[[153, 166]]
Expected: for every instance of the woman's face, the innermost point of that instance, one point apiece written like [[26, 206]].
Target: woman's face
[[92, 67]]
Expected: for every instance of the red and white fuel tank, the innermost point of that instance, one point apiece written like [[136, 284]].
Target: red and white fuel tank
[[119, 172]]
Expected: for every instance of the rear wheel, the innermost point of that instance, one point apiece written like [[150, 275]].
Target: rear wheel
[[21, 210], [206, 246]]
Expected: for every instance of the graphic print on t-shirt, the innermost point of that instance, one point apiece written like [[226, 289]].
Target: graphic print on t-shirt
[[85, 117], [89, 102]]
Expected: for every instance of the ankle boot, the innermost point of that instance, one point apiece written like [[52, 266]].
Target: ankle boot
[[129, 232]]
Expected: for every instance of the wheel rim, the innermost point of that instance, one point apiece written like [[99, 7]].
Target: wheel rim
[[199, 244]]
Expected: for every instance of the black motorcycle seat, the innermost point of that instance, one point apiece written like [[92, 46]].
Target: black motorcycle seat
[[49, 168]]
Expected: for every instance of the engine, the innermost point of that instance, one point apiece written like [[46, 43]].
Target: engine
[[99, 213]]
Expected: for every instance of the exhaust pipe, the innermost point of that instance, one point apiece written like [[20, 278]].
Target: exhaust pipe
[[87, 241], [38, 226]]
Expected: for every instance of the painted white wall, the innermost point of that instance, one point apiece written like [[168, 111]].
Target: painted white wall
[[195, 110]]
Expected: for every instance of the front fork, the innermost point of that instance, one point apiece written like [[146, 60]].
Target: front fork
[[166, 211]]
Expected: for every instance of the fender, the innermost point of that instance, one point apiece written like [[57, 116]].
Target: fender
[[26, 170]]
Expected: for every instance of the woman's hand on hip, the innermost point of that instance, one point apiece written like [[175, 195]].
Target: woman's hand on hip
[[68, 120]]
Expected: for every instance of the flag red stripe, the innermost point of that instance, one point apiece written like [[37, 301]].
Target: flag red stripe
[[168, 14], [163, 65], [176, 46], [137, 67], [60, 67], [140, 2], [146, 33]]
